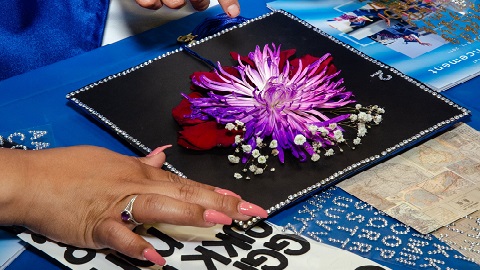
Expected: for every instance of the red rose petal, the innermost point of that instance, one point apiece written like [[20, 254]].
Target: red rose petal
[[284, 55], [199, 137], [244, 59], [309, 59], [206, 136], [183, 110]]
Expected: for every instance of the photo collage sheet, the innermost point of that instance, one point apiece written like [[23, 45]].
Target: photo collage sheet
[[434, 41]]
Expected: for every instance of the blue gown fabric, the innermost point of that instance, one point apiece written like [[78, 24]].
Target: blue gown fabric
[[35, 33]]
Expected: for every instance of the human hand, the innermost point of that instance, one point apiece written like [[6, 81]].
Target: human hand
[[75, 195], [231, 7]]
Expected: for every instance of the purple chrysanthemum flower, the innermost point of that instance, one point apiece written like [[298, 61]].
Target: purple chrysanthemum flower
[[276, 104]]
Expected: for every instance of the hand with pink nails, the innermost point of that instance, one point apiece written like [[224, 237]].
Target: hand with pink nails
[[91, 197], [231, 7]]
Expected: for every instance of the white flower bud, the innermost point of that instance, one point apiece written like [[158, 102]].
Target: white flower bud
[[238, 139], [299, 139], [239, 123], [315, 157], [247, 148], [233, 159], [258, 171], [357, 141], [273, 144], [323, 131], [332, 126], [312, 129]]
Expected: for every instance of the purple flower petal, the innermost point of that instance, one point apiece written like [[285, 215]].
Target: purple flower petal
[[273, 104]]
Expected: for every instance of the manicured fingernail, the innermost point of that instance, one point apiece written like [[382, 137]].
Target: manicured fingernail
[[252, 210], [159, 150], [233, 11], [153, 256], [216, 217], [226, 192]]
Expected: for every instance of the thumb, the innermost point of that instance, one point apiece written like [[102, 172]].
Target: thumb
[[157, 157]]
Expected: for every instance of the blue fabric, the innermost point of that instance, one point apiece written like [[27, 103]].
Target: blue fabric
[[35, 33]]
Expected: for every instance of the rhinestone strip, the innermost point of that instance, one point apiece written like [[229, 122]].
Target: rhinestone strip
[[328, 181]]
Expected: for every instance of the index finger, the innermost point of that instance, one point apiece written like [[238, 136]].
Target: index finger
[[231, 7]]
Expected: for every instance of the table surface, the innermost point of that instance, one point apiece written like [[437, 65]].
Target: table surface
[[37, 98]]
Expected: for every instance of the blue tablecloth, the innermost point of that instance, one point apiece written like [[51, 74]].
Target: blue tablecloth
[[37, 98]]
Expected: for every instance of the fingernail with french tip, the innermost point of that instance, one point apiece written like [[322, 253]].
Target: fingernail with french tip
[[250, 209], [226, 192], [153, 256], [216, 217], [233, 10], [159, 150]]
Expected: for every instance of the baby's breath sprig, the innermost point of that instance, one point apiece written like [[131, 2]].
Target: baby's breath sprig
[[254, 158], [319, 139], [361, 119]]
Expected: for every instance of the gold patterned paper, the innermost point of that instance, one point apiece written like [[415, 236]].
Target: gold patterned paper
[[428, 186]]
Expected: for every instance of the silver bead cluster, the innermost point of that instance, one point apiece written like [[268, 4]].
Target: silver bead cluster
[[433, 263], [405, 261], [247, 224], [395, 231], [370, 235], [386, 241], [362, 247], [358, 217], [372, 222], [19, 140], [170, 167], [350, 230], [324, 224], [330, 215], [386, 253]]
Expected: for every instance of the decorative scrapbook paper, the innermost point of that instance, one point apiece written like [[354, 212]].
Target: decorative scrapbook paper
[[430, 185], [137, 105], [263, 247], [337, 218], [435, 42], [463, 235]]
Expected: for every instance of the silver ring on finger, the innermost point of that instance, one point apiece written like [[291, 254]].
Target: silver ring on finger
[[127, 213]]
